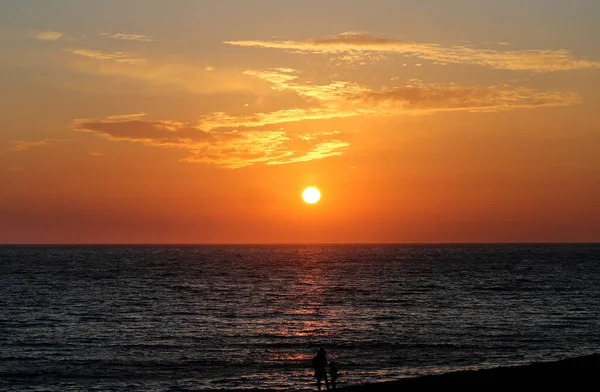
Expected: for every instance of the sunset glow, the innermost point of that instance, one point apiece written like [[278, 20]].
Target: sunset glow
[[199, 122], [299, 195]]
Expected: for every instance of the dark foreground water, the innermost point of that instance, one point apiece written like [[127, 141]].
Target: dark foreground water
[[226, 317]]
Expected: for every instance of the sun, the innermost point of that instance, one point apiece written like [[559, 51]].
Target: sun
[[311, 195]]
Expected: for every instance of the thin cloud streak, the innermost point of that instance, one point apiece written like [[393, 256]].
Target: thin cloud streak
[[22, 145], [47, 35], [161, 73], [119, 57], [226, 149], [347, 99], [358, 43], [129, 37]]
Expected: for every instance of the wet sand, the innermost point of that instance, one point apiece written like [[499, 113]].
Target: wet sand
[[573, 373]]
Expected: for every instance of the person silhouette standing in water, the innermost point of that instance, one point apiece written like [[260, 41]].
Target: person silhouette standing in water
[[320, 365], [333, 373]]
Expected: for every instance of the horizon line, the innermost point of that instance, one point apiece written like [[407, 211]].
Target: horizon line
[[295, 243]]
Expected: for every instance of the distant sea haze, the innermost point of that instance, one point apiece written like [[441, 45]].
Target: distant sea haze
[[227, 317]]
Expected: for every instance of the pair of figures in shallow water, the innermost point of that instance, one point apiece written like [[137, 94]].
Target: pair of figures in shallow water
[[319, 363]]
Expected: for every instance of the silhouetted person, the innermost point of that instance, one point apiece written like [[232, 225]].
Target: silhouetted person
[[333, 373], [320, 365]]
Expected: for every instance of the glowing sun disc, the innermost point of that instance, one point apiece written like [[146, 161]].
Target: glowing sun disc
[[311, 195]]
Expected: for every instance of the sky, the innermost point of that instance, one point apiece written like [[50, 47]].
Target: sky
[[430, 121]]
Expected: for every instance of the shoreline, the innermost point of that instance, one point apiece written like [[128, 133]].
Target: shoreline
[[571, 371]]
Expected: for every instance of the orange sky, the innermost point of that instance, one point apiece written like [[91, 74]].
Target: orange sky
[[203, 122]]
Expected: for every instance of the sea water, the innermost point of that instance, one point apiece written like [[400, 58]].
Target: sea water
[[241, 317]]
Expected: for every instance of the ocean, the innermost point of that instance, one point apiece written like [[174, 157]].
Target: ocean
[[187, 318]]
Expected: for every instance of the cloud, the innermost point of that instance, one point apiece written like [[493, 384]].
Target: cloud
[[227, 149], [358, 44], [161, 73], [223, 120], [118, 57], [96, 154], [346, 99], [277, 76], [22, 145], [322, 150], [47, 35], [128, 37], [430, 98], [235, 141]]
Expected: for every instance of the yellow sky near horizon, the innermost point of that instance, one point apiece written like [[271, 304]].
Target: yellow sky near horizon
[[128, 130]]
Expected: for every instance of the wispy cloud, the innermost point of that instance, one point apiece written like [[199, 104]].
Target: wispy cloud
[[223, 120], [360, 43], [162, 72], [128, 37], [332, 148], [22, 145], [346, 99], [234, 141], [47, 35], [227, 149], [119, 57], [430, 98]]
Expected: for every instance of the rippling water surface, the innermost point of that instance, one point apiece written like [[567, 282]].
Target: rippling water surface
[[236, 317]]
